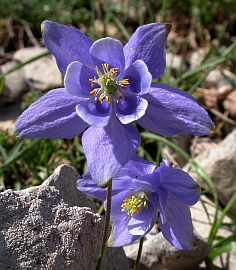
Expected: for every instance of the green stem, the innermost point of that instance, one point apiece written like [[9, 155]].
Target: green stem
[[136, 266], [106, 226], [163, 11]]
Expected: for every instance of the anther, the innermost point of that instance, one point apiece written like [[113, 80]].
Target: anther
[[109, 85]]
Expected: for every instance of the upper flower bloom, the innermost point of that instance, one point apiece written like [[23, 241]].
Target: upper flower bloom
[[107, 87], [140, 192]]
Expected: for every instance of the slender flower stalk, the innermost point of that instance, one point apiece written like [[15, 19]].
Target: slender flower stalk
[[140, 248], [106, 225]]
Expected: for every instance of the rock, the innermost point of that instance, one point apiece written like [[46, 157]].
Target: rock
[[203, 217], [111, 30], [41, 74], [39, 231], [230, 104], [175, 62], [14, 86], [114, 259], [64, 179], [8, 124], [197, 57], [201, 144], [219, 164], [184, 142], [216, 79], [158, 254]]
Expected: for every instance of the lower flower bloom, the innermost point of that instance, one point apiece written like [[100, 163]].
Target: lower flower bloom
[[141, 194]]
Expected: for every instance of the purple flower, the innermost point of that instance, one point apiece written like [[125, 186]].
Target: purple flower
[[141, 193], [107, 87]]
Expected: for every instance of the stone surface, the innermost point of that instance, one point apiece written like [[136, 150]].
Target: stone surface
[[230, 104], [175, 61], [216, 78], [14, 86], [41, 74], [39, 231], [8, 124], [219, 164], [158, 254], [203, 217], [197, 57], [184, 142], [43, 228], [64, 179]]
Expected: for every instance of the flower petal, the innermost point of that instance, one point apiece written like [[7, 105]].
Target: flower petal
[[148, 44], [51, 116], [77, 80], [149, 181], [94, 112], [130, 108], [172, 111], [120, 235], [139, 78], [110, 51], [140, 166], [67, 44], [179, 183], [107, 149], [141, 223], [117, 201], [89, 187], [177, 227]]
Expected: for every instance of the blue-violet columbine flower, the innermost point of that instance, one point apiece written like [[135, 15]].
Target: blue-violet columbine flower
[[107, 87], [141, 193]]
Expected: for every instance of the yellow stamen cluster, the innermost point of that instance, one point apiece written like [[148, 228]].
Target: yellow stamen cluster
[[134, 203], [110, 87]]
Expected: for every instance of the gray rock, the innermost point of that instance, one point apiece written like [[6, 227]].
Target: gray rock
[[41, 74], [203, 213], [158, 254], [230, 104], [184, 142], [14, 86], [114, 259], [39, 231], [175, 61], [219, 164], [197, 57], [216, 78], [64, 179]]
